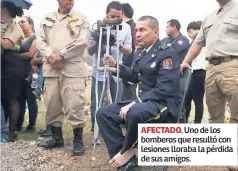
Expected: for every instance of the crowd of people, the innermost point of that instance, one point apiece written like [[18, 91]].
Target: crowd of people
[[50, 64]]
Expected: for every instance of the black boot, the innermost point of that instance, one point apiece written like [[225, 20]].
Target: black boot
[[57, 140], [78, 142]]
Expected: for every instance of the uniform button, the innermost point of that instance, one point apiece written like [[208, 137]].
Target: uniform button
[[140, 91], [139, 74], [140, 82]]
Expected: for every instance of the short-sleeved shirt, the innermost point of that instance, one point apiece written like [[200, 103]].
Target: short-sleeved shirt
[[13, 32], [124, 38], [219, 32]]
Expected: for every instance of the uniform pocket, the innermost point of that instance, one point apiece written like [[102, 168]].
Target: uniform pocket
[[78, 96], [206, 28]]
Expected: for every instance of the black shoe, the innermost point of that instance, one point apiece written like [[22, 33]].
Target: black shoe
[[57, 140], [78, 149], [30, 129], [12, 137], [37, 94], [131, 165]]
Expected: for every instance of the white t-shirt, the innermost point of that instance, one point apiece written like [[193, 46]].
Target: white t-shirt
[[200, 62]]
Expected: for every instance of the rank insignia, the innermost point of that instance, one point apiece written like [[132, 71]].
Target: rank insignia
[[180, 42], [73, 20], [169, 44], [153, 64], [167, 63], [50, 19], [9, 29]]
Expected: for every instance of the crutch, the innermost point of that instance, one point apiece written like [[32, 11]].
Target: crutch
[[106, 76]]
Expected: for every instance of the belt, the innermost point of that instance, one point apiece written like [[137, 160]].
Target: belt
[[217, 61]]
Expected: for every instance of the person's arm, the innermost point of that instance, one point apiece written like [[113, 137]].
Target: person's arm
[[31, 53], [168, 79], [126, 47], [41, 41], [12, 37], [78, 45], [92, 44], [125, 72], [37, 61], [92, 49]]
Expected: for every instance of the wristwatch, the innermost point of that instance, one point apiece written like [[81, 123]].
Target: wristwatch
[[120, 46], [62, 56]]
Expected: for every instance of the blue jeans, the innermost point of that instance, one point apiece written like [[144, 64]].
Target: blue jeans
[[4, 128], [113, 89], [40, 81], [28, 96]]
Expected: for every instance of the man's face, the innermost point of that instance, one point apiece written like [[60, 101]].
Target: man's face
[[170, 29], [145, 34], [114, 14], [68, 4]]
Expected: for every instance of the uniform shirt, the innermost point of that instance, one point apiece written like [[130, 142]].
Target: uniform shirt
[[13, 32], [66, 34], [180, 44], [157, 76], [200, 62], [219, 32], [124, 38]]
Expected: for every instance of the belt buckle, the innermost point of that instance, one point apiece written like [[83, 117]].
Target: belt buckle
[[215, 61]]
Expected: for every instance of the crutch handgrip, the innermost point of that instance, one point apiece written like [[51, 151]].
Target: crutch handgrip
[[112, 21]]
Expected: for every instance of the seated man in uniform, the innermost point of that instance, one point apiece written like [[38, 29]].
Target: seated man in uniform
[[156, 73]]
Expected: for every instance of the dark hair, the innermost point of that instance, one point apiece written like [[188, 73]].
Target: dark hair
[[153, 21], [31, 22], [195, 25], [127, 10], [12, 9], [175, 23], [114, 5]]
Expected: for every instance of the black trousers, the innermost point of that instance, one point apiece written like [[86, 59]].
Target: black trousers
[[109, 123], [196, 93]]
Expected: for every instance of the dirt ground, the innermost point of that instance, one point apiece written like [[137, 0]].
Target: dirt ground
[[24, 155]]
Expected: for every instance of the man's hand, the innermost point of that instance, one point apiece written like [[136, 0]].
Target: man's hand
[[108, 59], [35, 68], [34, 62], [183, 66], [57, 65], [54, 58], [125, 109]]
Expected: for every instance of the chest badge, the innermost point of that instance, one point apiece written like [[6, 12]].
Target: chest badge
[[153, 65], [180, 42]]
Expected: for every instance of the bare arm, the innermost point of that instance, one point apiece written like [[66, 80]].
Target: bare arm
[[31, 53], [192, 53], [92, 49], [126, 50]]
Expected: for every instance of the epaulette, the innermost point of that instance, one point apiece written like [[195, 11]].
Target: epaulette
[[164, 47]]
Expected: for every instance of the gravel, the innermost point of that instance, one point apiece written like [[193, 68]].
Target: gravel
[[26, 156]]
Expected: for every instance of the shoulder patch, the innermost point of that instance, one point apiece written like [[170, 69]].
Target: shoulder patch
[[50, 19], [167, 63], [73, 20], [180, 42], [9, 29], [163, 47]]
